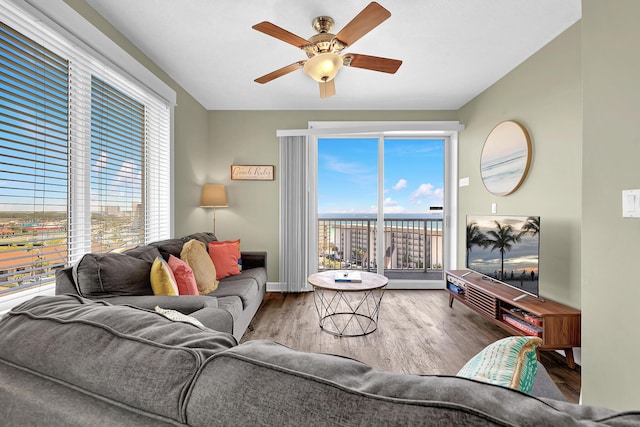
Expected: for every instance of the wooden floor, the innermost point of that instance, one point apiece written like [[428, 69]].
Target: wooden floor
[[417, 334]]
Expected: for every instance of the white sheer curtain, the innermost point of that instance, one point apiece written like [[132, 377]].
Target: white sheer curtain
[[296, 213]]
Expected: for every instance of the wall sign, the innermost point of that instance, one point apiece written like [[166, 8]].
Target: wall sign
[[252, 172]]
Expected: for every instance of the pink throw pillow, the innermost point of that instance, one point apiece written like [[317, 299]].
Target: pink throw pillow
[[184, 276], [225, 257]]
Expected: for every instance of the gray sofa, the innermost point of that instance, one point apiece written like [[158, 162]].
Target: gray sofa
[[69, 361], [124, 279]]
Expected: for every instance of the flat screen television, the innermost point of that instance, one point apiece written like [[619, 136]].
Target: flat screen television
[[505, 248]]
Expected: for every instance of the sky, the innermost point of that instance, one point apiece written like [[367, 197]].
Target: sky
[[348, 170]]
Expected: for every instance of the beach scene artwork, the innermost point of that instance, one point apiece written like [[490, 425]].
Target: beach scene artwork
[[505, 158]]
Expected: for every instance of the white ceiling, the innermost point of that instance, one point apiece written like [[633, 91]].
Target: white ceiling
[[452, 50]]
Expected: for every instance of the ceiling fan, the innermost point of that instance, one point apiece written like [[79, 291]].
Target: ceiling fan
[[323, 49]]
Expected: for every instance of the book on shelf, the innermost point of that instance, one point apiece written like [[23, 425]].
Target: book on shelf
[[522, 325], [348, 276]]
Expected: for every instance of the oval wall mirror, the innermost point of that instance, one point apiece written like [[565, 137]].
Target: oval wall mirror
[[505, 159]]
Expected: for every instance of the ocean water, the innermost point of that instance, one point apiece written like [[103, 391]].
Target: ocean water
[[502, 174], [387, 217]]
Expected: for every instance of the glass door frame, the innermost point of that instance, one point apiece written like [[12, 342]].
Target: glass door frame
[[448, 131]]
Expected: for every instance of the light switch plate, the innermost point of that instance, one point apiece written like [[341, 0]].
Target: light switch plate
[[631, 203]]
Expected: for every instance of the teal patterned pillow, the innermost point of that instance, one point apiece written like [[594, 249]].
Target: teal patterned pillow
[[509, 362]]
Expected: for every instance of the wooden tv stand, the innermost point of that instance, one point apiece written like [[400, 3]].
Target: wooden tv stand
[[556, 324]]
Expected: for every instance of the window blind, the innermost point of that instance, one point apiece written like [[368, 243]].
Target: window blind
[[117, 152], [157, 170], [79, 139], [34, 161], [294, 213]]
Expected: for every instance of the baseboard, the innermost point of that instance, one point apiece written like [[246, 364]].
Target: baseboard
[[416, 284], [281, 287]]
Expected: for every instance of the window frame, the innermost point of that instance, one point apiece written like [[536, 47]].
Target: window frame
[[47, 23]]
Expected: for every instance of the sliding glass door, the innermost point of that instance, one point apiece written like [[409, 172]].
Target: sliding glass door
[[380, 206], [413, 204]]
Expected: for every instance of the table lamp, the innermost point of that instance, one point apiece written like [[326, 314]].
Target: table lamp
[[214, 196]]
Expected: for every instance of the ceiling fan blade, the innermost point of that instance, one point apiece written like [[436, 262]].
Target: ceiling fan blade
[[369, 18], [280, 72], [281, 34], [327, 89], [374, 63]]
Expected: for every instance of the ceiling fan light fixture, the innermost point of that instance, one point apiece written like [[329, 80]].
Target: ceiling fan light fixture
[[323, 49], [323, 67]]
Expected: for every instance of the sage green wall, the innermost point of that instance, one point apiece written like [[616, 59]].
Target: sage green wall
[[249, 137], [610, 254], [191, 147], [544, 94]]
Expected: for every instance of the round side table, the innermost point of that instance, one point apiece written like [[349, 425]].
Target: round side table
[[347, 309]]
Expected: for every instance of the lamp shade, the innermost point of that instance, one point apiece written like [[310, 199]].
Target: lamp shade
[[213, 196], [323, 67]]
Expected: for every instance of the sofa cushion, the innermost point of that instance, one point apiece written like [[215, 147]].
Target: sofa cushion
[[163, 282], [185, 278], [195, 254], [169, 247], [246, 289], [204, 237], [509, 362], [334, 390], [258, 274], [146, 252], [100, 275], [30, 399], [128, 355], [231, 304]]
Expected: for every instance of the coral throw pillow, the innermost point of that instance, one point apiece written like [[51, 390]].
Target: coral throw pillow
[[194, 253], [162, 280], [225, 256], [185, 279]]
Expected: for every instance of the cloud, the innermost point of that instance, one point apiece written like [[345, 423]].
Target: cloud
[[128, 176], [400, 184], [101, 163], [429, 192], [394, 209], [390, 202], [392, 206], [123, 188]]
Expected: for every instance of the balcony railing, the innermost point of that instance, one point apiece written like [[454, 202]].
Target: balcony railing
[[411, 245]]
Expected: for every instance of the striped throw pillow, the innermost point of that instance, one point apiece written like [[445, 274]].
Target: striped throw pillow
[[509, 362]]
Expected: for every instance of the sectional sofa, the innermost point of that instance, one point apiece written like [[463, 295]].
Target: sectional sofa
[[124, 279], [70, 361]]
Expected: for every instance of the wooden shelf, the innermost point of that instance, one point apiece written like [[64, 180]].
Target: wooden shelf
[[556, 324]]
